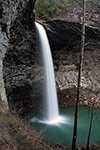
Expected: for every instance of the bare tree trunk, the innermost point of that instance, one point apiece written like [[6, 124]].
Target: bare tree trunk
[[90, 128], [79, 80]]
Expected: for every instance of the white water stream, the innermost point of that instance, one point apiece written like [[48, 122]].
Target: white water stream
[[51, 102]]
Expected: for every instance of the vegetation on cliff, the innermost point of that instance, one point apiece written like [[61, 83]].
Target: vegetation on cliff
[[48, 9]]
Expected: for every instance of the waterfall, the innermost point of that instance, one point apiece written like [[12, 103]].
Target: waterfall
[[51, 103]]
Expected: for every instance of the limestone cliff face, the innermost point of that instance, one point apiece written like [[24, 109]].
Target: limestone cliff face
[[16, 31], [68, 34], [65, 41], [4, 19]]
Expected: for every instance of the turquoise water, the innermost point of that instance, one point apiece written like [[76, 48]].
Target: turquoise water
[[63, 132]]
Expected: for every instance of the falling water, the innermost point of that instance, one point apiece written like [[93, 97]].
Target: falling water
[[51, 112]]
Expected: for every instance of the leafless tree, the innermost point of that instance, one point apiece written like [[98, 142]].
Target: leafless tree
[[90, 127], [79, 78]]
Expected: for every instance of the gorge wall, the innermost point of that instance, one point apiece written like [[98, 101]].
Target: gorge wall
[[17, 47], [68, 35], [22, 69]]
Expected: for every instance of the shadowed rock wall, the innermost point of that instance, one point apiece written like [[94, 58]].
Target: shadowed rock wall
[[21, 56], [22, 69]]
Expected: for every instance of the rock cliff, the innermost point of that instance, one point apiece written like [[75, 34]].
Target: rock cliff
[[65, 42], [22, 70], [17, 47]]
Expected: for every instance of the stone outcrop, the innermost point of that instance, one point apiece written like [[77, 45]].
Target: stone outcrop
[[65, 41], [66, 70], [68, 34], [3, 48], [17, 34]]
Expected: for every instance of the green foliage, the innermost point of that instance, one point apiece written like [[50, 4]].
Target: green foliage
[[56, 7], [43, 9], [47, 9]]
